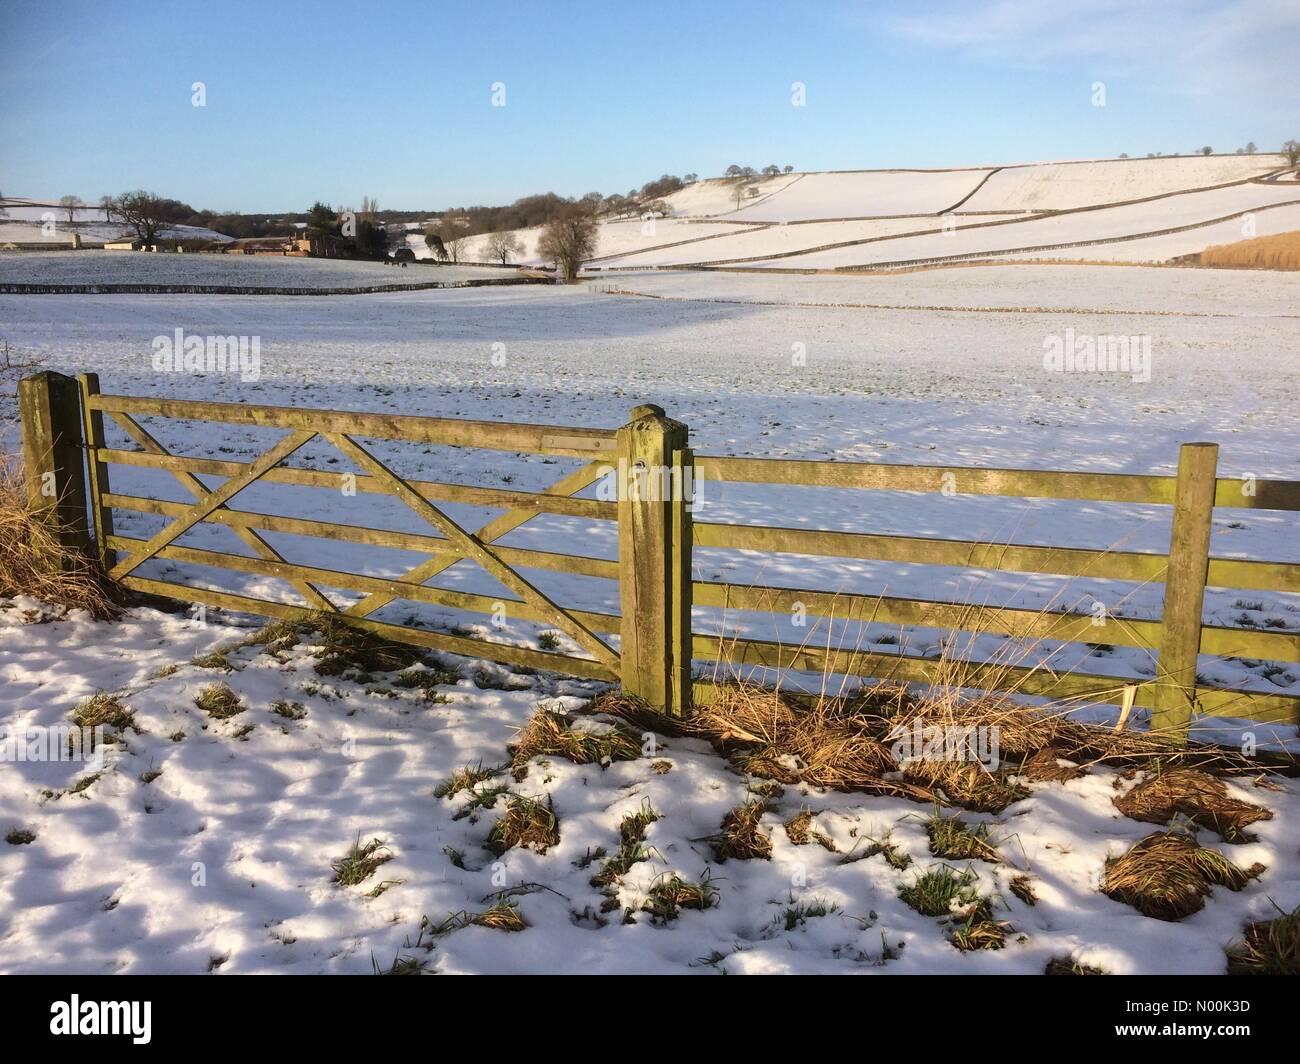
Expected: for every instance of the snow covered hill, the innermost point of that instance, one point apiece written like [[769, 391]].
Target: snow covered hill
[[1117, 209], [44, 221]]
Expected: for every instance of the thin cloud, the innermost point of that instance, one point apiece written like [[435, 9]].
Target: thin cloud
[[1239, 48]]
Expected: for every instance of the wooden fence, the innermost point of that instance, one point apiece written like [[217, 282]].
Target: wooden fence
[[68, 462]]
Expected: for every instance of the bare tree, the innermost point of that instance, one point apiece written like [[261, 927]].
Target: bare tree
[[502, 246], [455, 242], [1291, 149], [569, 239], [145, 212], [71, 204]]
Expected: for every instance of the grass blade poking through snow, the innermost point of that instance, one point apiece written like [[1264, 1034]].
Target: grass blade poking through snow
[[360, 862]]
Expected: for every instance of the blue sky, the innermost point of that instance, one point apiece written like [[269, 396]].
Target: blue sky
[[336, 100]]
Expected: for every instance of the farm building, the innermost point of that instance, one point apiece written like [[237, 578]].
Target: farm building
[[315, 245]]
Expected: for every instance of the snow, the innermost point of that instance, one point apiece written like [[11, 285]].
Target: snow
[[864, 194], [933, 367], [1270, 222], [742, 246], [92, 266], [222, 861], [29, 222], [614, 237], [1013, 195], [717, 195], [1060, 186], [1190, 208]]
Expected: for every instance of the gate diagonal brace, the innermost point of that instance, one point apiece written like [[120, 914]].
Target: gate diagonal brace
[[472, 547]]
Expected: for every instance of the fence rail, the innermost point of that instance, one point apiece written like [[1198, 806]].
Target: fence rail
[[653, 644]]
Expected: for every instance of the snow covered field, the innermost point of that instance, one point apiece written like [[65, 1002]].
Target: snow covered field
[[1107, 223], [868, 194], [1015, 195], [132, 267], [1061, 186], [935, 367]]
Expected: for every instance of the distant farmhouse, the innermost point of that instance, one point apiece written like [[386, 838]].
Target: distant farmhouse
[[313, 245]]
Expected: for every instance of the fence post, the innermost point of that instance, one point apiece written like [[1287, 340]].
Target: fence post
[[93, 432], [679, 632], [1189, 560], [50, 407], [654, 643]]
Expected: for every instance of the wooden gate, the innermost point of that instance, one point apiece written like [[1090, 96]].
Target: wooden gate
[[651, 471], [61, 417]]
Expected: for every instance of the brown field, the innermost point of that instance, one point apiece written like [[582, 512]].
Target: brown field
[[1280, 252]]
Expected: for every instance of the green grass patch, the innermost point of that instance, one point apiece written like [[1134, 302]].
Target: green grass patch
[[360, 862], [670, 894]]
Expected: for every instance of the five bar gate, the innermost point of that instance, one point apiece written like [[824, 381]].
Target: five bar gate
[[65, 449]]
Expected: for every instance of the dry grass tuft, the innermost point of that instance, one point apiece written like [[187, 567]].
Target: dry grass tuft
[[502, 915], [1196, 796], [897, 859], [527, 823], [1022, 887], [800, 830], [844, 743], [741, 837], [980, 929], [835, 744], [275, 637], [219, 702], [552, 734], [282, 707], [34, 563], [347, 649], [340, 648], [104, 711], [216, 659], [1167, 876], [1044, 766], [1269, 947]]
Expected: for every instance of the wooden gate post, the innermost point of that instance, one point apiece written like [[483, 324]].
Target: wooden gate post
[[1189, 560], [50, 407], [92, 426], [653, 551]]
